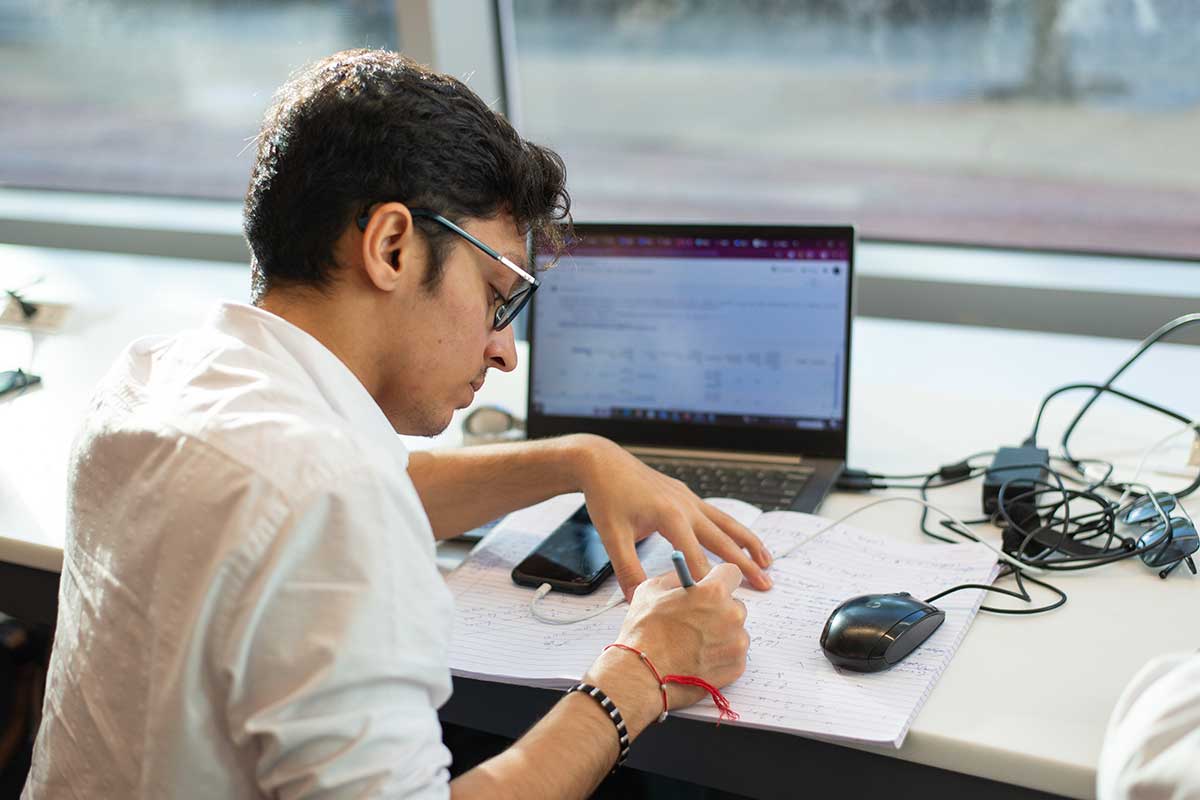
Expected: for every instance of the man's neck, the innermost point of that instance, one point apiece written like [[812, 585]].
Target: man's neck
[[336, 328]]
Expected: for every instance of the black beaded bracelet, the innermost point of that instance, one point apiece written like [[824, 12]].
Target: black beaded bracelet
[[611, 709]]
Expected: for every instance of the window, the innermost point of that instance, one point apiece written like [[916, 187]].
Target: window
[[149, 97], [1061, 124]]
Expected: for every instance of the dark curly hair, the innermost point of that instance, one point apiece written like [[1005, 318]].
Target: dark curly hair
[[369, 126]]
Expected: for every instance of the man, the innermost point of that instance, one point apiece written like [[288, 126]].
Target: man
[[1152, 747], [250, 605]]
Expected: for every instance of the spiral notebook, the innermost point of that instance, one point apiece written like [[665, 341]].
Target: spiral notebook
[[788, 685]]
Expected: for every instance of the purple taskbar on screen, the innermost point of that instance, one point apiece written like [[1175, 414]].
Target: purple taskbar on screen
[[702, 247]]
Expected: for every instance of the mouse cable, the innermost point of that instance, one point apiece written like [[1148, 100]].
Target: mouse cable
[[544, 590], [1021, 594], [961, 530]]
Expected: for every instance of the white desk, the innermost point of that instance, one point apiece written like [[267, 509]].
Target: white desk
[[1025, 700]]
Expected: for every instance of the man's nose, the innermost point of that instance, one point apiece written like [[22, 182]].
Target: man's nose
[[501, 351]]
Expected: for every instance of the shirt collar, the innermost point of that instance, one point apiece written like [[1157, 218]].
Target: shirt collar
[[330, 376]]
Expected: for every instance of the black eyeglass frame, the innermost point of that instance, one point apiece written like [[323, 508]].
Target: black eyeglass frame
[[508, 309]]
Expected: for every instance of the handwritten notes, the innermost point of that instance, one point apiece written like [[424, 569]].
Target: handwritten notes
[[788, 685]]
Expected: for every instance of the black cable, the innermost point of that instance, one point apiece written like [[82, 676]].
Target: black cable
[[1075, 561], [967, 534], [1084, 528], [1020, 579], [1097, 523], [944, 471], [1099, 389], [1041, 559], [1077, 463], [1021, 594], [1085, 523], [1173, 325], [924, 519], [940, 485], [861, 480]]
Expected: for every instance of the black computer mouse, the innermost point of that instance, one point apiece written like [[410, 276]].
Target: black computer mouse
[[872, 632]]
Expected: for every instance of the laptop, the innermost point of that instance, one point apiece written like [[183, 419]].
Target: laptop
[[718, 354]]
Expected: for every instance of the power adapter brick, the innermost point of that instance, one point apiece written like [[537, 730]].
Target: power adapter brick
[[1021, 467]]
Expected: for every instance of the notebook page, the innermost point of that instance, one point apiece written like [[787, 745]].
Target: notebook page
[[788, 684], [495, 635]]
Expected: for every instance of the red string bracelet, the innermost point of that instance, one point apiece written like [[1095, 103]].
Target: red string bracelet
[[719, 700]]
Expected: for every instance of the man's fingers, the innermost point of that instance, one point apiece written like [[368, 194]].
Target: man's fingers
[[718, 542], [676, 530], [623, 554], [739, 533], [727, 575]]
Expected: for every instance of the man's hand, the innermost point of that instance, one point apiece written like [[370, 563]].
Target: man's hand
[[698, 631], [628, 501]]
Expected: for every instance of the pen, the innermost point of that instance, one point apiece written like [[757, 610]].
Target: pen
[[681, 569]]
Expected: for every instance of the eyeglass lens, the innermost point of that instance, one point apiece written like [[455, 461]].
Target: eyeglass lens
[[1183, 542], [1143, 510], [508, 310]]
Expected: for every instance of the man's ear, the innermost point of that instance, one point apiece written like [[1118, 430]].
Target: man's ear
[[387, 244]]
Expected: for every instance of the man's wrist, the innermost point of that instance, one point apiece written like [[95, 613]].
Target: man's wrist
[[586, 453], [630, 685]]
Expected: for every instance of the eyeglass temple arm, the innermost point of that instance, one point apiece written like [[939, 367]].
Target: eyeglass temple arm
[[1191, 565], [438, 218]]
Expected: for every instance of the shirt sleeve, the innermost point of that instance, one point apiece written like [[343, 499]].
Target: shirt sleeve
[[334, 653], [1152, 747]]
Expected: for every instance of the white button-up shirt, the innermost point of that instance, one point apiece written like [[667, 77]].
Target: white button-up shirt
[[250, 604], [1152, 749]]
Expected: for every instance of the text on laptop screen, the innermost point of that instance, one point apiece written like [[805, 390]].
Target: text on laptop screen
[[727, 331]]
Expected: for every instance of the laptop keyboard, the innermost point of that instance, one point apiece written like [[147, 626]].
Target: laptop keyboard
[[769, 487]]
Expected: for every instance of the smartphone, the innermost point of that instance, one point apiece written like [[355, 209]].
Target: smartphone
[[572, 559]]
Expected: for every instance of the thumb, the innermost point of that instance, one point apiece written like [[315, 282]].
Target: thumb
[[725, 574]]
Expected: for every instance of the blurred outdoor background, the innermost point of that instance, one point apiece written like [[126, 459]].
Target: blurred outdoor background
[[1058, 124]]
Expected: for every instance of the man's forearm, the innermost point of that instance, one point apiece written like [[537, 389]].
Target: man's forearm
[[572, 748], [464, 488]]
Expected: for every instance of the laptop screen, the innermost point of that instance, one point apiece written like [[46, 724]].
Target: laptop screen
[[666, 328]]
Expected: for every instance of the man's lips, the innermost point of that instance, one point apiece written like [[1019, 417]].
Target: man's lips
[[477, 384]]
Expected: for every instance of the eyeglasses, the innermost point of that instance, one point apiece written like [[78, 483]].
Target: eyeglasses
[[1171, 541], [509, 307]]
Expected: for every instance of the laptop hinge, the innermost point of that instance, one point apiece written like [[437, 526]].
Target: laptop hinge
[[713, 455]]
